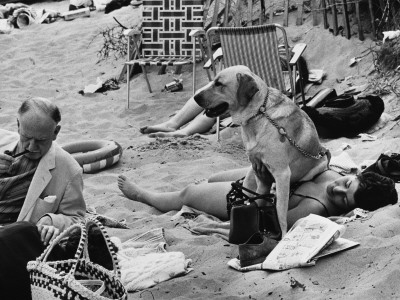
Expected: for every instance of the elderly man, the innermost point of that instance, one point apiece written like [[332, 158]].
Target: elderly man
[[42, 187]]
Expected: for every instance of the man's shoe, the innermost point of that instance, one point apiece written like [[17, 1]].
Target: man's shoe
[[256, 249]]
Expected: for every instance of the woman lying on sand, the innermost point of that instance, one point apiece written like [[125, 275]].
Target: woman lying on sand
[[189, 114], [328, 194]]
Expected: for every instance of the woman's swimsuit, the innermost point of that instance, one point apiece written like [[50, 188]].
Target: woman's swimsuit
[[309, 197], [234, 195]]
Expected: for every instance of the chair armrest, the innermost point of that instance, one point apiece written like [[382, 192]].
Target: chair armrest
[[297, 50], [216, 55], [197, 32], [131, 32]]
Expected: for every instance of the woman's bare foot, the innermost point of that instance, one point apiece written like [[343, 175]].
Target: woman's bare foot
[[130, 190], [163, 127]]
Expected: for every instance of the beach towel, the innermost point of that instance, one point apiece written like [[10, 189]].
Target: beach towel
[[200, 223], [144, 260]]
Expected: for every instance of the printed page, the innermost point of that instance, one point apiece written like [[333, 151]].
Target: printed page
[[305, 240], [338, 245]]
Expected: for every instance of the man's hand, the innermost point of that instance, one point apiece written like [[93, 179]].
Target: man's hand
[[46, 230], [5, 162]]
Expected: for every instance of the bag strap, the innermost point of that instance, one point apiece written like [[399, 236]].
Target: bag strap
[[238, 187]]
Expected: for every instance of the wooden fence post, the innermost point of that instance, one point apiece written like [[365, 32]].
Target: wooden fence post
[[286, 13], [314, 12], [346, 19], [371, 12], [334, 18], [326, 25], [360, 30], [299, 19]]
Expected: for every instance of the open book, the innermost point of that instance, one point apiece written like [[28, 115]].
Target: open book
[[310, 238]]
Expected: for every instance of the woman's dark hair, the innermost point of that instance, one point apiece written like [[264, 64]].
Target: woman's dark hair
[[375, 191], [43, 105]]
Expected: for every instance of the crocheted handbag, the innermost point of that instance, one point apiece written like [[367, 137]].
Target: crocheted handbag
[[76, 278]]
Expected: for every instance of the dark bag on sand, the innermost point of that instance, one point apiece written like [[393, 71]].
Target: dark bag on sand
[[344, 116], [386, 165], [247, 218]]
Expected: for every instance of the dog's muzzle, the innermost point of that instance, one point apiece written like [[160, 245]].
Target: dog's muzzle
[[211, 112], [217, 110]]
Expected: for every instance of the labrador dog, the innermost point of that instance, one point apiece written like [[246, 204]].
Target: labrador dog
[[269, 120]]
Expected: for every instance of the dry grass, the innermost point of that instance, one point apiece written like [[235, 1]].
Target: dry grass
[[387, 68]]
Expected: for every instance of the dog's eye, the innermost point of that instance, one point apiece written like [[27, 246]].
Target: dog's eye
[[217, 83]]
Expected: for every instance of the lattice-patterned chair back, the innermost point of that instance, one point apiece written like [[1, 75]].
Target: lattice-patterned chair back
[[167, 24], [168, 37]]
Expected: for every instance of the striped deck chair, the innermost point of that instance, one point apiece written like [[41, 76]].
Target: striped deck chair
[[165, 38], [257, 47]]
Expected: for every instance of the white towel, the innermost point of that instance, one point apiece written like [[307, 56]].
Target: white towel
[[144, 261]]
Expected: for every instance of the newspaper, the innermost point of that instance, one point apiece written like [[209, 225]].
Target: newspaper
[[310, 238]]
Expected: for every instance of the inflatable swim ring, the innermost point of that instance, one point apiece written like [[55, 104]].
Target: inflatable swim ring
[[94, 155]]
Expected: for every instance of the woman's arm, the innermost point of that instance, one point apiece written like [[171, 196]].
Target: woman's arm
[[231, 175]]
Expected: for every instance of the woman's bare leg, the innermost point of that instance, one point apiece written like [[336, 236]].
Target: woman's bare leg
[[207, 197], [200, 124], [187, 113]]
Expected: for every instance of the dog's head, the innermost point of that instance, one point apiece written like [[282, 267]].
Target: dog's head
[[230, 91]]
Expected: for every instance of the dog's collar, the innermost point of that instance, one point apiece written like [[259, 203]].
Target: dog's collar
[[262, 111]]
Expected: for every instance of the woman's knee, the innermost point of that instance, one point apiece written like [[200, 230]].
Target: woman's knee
[[185, 195]]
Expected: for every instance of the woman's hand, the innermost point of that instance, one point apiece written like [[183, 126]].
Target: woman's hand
[[46, 230], [261, 171]]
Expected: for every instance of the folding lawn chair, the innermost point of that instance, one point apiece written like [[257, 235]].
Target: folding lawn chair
[[165, 38], [257, 47]]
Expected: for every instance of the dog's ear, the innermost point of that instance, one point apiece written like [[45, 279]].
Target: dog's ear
[[246, 89]]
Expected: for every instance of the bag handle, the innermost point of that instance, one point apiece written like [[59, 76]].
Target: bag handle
[[94, 282], [43, 257], [82, 250]]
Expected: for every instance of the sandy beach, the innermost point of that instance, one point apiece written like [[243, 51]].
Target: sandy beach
[[59, 59]]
